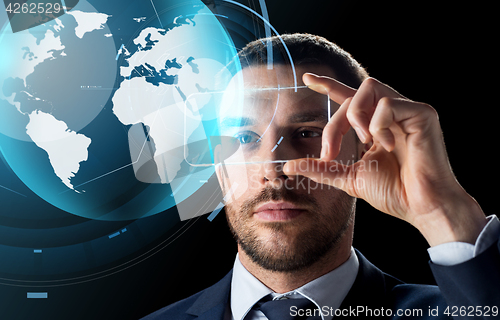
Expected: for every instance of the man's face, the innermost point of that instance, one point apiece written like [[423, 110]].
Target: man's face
[[283, 223]]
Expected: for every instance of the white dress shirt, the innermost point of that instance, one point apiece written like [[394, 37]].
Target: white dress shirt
[[330, 289], [448, 254]]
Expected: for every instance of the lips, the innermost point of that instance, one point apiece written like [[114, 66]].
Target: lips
[[278, 211]]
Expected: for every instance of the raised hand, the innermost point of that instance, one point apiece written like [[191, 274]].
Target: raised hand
[[405, 172]]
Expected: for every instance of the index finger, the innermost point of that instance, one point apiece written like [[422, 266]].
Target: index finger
[[337, 91]]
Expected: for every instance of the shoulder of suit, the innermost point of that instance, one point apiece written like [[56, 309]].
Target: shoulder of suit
[[176, 310], [408, 296], [403, 296], [198, 303]]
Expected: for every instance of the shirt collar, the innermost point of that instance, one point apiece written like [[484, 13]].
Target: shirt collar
[[327, 290], [246, 290]]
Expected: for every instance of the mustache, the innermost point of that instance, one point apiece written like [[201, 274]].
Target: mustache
[[281, 194]]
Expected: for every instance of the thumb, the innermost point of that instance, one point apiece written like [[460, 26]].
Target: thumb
[[326, 172]]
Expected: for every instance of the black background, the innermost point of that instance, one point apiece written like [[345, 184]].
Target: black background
[[443, 55]]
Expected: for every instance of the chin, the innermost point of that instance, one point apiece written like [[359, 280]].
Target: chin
[[288, 232]]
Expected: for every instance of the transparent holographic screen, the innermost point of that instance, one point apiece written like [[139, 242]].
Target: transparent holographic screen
[[254, 125], [64, 256], [242, 127], [140, 140]]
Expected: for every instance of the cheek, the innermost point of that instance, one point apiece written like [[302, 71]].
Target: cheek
[[238, 181]]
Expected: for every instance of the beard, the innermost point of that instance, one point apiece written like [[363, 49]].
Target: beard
[[293, 245]]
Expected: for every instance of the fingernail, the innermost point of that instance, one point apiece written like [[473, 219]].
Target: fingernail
[[361, 135], [311, 74], [318, 88], [314, 86]]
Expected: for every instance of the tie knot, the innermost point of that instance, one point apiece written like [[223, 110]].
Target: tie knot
[[290, 309]]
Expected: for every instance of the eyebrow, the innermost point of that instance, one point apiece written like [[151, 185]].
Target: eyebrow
[[309, 117], [296, 118], [237, 122]]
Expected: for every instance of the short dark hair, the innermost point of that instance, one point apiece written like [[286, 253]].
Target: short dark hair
[[305, 49]]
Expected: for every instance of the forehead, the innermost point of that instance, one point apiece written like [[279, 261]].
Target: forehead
[[262, 77], [281, 74], [270, 93]]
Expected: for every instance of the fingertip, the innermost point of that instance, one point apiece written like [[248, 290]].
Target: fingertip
[[388, 146], [318, 88], [312, 81], [324, 150], [309, 76], [288, 168], [386, 139], [363, 137], [299, 166]]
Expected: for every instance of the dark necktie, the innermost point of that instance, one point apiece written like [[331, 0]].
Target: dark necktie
[[289, 309]]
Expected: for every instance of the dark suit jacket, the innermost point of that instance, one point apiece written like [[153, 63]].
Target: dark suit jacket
[[473, 283]]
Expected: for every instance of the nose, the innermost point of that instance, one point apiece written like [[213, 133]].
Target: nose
[[272, 168], [273, 174]]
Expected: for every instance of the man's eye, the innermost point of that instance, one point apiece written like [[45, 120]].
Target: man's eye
[[309, 134], [245, 138]]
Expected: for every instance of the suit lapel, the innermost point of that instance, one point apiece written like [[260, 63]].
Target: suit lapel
[[212, 303], [370, 288]]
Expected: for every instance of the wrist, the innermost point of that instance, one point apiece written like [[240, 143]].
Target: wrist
[[458, 220]]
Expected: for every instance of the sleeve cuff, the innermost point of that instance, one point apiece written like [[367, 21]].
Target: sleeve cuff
[[448, 254]]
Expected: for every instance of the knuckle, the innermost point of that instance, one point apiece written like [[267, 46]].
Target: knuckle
[[386, 103], [426, 118], [431, 111], [428, 111], [370, 82], [356, 113], [350, 114], [375, 129]]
